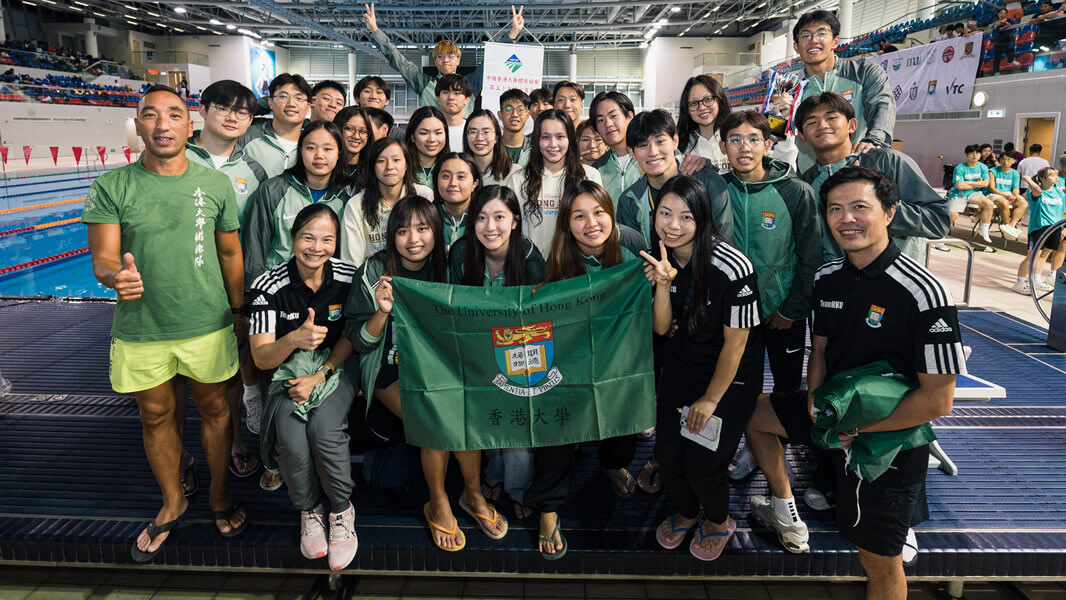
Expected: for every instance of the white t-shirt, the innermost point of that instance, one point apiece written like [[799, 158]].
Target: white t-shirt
[[540, 230], [1031, 166], [218, 161], [358, 239], [455, 137], [286, 145]]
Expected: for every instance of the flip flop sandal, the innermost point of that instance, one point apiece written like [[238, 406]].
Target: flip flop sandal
[[226, 515], [551, 540], [648, 479], [480, 519], [246, 459], [451, 532], [189, 471], [154, 531], [701, 554], [492, 491], [617, 478], [664, 541], [275, 476]]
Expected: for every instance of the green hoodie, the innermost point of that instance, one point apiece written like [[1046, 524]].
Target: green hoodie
[[776, 225], [246, 174], [865, 86], [426, 85], [616, 179], [922, 213], [267, 241], [634, 207], [260, 143]]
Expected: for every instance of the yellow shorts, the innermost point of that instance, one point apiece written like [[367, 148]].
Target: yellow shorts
[[139, 366]]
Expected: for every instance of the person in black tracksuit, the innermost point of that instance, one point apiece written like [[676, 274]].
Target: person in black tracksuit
[[712, 364]]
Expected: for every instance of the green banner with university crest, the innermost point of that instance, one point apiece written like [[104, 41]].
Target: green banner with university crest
[[512, 367]]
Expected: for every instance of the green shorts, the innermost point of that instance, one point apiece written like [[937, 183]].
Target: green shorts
[[139, 366]]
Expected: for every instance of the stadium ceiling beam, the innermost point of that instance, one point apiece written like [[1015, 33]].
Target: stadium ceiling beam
[[449, 7], [272, 10]]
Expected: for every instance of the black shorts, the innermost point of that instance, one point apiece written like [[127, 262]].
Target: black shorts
[[875, 515], [388, 375], [1052, 242], [791, 409]]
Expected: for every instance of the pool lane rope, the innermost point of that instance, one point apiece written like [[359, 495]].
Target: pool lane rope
[[41, 226], [59, 203], [41, 261]]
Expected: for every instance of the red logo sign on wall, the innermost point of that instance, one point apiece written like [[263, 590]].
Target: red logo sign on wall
[[949, 53]]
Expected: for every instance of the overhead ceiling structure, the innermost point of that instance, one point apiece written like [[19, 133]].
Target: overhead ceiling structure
[[424, 22]]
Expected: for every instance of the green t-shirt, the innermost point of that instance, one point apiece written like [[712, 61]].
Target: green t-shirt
[[168, 223], [1007, 182], [966, 173]]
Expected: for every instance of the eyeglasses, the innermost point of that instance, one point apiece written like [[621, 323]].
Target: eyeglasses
[[356, 132], [588, 139], [706, 101], [242, 114], [518, 110], [476, 133], [284, 98], [821, 35], [737, 143]]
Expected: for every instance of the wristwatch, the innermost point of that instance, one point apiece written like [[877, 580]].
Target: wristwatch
[[326, 370]]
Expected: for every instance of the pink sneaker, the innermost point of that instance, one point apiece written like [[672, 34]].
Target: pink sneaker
[[343, 542], [313, 532]]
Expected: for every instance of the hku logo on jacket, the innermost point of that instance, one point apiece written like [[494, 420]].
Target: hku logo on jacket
[[873, 318]]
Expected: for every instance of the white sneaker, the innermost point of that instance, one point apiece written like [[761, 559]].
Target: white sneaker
[[313, 542], [910, 549], [942, 247], [253, 412], [343, 543], [1012, 233], [1045, 285], [793, 536], [816, 500], [743, 464], [1022, 287]]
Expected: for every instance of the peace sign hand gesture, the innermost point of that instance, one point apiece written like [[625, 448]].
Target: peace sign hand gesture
[[517, 21], [660, 272], [369, 18]]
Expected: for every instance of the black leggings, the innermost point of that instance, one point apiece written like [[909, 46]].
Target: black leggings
[[784, 349], [553, 468], [696, 476]]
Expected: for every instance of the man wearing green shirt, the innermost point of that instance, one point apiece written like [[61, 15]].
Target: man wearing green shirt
[[272, 142], [1006, 184], [864, 85], [970, 181], [446, 56], [611, 113], [826, 123], [163, 235], [513, 114]]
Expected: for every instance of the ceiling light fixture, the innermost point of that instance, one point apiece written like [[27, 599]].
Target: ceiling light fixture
[[179, 9], [675, 9], [215, 22], [231, 27], [663, 21]]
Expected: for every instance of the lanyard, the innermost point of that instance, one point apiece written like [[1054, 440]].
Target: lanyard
[[651, 200]]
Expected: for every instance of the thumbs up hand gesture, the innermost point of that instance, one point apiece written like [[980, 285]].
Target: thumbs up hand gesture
[[309, 335], [128, 282]]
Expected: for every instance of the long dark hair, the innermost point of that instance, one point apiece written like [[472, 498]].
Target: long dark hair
[[564, 258], [426, 112], [575, 171], [339, 175], [687, 129], [406, 209], [357, 175], [694, 195], [514, 267], [500, 166], [463, 156], [371, 193]]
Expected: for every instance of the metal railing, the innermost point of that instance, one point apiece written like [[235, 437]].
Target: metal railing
[[150, 57], [950, 241]]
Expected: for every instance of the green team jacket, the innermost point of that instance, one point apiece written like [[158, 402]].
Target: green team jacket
[[634, 207], [245, 174], [921, 214], [855, 398], [276, 203], [535, 267], [425, 84], [260, 143], [875, 110], [776, 225], [617, 180], [360, 306]]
